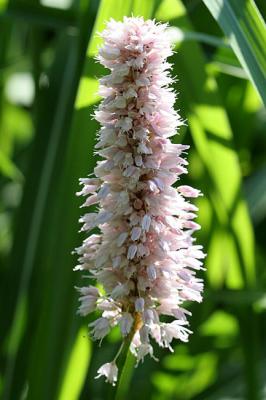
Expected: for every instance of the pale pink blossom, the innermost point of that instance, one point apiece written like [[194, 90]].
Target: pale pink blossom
[[88, 299], [143, 255], [110, 371], [126, 323]]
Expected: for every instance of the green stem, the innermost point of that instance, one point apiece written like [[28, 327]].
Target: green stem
[[125, 367]]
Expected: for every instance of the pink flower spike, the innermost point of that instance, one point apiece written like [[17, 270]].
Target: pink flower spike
[[143, 257]]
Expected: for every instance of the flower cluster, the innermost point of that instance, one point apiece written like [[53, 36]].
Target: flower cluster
[[144, 255]]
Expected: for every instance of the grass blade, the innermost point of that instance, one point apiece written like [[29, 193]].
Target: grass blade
[[36, 211], [242, 23]]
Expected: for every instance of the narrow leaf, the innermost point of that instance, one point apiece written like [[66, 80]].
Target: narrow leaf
[[245, 29]]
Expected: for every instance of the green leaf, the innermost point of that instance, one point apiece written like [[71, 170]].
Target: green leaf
[[107, 9], [255, 189], [44, 279], [79, 361], [183, 34], [212, 136], [225, 61], [8, 168], [39, 15], [245, 29], [3, 4], [220, 323], [231, 234]]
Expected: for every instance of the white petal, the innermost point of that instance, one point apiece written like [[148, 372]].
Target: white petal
[[110, 371], [146, 221], [132, 250], [110, 53], [126, 323], [135, 233], [151, 271], [121, 238], [120, 102], [188, 191], [139, 304]]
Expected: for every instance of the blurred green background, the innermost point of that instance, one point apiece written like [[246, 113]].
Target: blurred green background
[[48, 91]]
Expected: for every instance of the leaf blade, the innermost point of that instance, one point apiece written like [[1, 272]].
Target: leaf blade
[[245, 28]]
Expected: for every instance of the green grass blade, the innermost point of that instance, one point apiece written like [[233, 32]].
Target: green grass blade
[[242, 23], [8, 168], [230, 259], [255, 189], [78, 362], [38, 15], [41, 287], [212, 136]]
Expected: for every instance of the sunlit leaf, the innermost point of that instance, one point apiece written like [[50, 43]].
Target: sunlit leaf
[[8, 168], [78, 361], [212, 136], [220, 323], [244, 26], [41, 338]]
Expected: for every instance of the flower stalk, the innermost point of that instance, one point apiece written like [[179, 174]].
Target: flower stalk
[[125, 368]]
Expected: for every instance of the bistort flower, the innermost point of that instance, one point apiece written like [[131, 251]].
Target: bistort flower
[[143, 255]]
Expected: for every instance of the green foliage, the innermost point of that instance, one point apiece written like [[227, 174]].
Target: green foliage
[[245, 28], [45, 146]]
